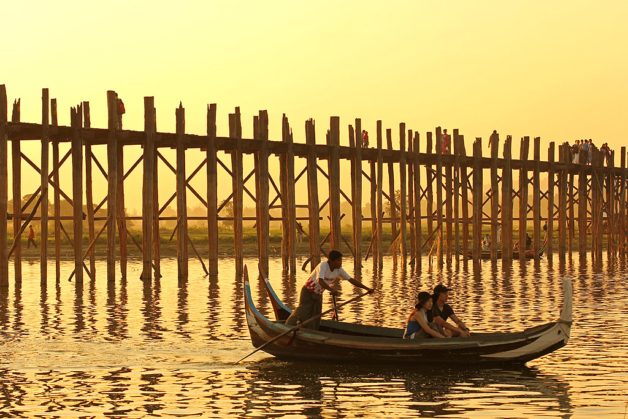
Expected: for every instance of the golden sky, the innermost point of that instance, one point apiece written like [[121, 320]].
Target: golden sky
[[552, 69]]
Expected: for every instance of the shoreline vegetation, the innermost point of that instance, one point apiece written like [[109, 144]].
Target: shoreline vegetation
[[226, 246]]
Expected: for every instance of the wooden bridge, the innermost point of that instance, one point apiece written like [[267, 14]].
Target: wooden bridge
[[451, 184]]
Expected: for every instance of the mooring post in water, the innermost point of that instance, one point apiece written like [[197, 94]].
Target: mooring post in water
[[380, 203], [439, 192], [494, 195], [112, 180], [523, 197], [212, 191], [506, 220], [402, 188], [16, 160], [477, 199], [536, 198], [4, 187], [312, 188], [551, 175], [148, 182], [45, 140], [418, 221], [182, 231], [76, 118], [357, 194], [262, 191]]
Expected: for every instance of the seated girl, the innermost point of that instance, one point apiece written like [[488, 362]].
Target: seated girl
[[419, 323]]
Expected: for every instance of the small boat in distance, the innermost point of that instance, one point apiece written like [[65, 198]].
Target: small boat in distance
[[346, 342]]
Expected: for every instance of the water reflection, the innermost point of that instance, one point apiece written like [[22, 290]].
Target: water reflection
[[139, 348]]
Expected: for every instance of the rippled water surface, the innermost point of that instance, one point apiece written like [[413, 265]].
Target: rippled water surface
[[167, 349]]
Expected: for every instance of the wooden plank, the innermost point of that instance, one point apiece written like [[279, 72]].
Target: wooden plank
[[551, 175], [523, 198], [57, 192], [417, 203], [148, 188], [45, 141], [334, 184], [563, 157], [112, 166], [402, 187], [494, 194], [212, 191], [464, 182], [312, 188], [536, 198], [262, 192], [506, 221], [456, 196], [121, 216], [439, 191], [622, 204], [182, 216], [77, 190], [430, 194], [17, 194], [392, 196], [380, 204], [477, 200]]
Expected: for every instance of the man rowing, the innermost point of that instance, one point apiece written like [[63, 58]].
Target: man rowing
[[311, 297]]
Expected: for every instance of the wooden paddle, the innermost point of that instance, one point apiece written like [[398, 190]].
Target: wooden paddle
[[334, 317], [297, 327]]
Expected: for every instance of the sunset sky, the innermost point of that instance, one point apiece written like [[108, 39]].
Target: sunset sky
[[551, 69]]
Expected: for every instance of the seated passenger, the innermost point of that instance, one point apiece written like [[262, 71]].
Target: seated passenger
[[419, 323], [486, 243], [443, 311]]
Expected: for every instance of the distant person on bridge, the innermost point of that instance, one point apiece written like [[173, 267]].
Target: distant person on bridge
[[120, 110], [365, 139]]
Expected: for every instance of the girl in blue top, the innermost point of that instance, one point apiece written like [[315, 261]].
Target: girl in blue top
[[419, 322]]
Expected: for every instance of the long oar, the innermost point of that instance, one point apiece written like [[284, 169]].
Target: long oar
[[297, 327]]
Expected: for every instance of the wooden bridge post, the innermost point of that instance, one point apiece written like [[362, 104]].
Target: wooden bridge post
[[334, 184], [523, 198], [182, 231], [263, 217], [439, 193], [374, 216], [571, 205], [621, 225], [562, 200], [582, 207], [89, 190], [507, 201], [121, 215], [283, 190], [16, 160], [212, 191], [292, 208], [380, 204], [156, 235], [45, 140], [464, 182], [112, 159], [430, 176], [449, 208], [418, 223], [357, 194], [610, 205], [4, 187], [411, 212], [551, 174], [536, 198], [235, 132], [312, 187], [57, 193], [477, 199], [598, 215], [402, 187], [148, 189], [456, 195], [494, 195], [77, 190], [392, 199]]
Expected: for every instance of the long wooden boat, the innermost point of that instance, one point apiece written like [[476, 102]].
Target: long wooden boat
[[347, 342], [529, 254]]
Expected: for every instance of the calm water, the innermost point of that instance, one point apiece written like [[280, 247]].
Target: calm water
[[131, 350]]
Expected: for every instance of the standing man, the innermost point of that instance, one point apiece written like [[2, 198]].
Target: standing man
[[31, 237], [441, 311], [445, 142], [311, 297]]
